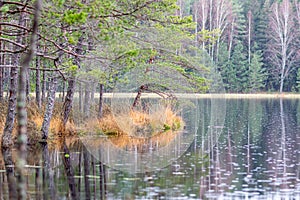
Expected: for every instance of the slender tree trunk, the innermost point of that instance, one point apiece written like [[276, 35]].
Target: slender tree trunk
[[210, 25], [1, 84], [1, 59], [93, 93], [63, 90], [44, 77], [86, 105], [22, 113], [71, 89], [2, 62], [38, 83], [80, 97], [68, 102], [12, 102], [49, 110], [138, 96], [100, 111], [28, 85]]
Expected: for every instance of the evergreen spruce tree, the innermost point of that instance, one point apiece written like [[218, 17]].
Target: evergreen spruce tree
[[257, 73], [238, 65]]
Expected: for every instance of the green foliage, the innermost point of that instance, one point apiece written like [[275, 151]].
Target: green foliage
[[211, 36], [71, 17], [4, 8], [235, 71], [257, 74]]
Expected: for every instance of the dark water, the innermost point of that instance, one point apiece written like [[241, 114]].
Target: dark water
[[238, 149]]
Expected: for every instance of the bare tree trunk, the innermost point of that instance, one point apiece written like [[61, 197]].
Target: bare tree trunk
[[63, 90], [2, 62], [44, 77], [1, 84], [138, 96], [21, 106], [282, 35], [49, 110], [86, 105], [68, 102], [12, 102], [210, 24], [100, 111], [71, 89], [80, 97], [38, 83], [93, 93], [1, 59], [27, 85]]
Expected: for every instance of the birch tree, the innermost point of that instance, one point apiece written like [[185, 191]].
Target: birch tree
[[282, 33]]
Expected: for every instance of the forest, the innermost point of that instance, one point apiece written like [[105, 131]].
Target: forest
[[73, 52], [87, 47]]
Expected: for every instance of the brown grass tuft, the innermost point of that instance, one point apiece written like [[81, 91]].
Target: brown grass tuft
[[137, 123]]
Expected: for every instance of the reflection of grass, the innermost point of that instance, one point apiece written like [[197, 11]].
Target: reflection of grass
[[161, 120], [143, 144], [138, 123]]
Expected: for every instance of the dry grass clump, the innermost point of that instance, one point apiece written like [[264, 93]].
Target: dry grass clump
[[35, 121], [109, 125], [138, 123]]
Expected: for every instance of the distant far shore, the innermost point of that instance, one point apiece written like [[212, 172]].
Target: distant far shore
[[195, 95], [208, 95]]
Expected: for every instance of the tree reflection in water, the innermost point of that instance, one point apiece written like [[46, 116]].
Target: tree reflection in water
[[255, 154], [9, 167]]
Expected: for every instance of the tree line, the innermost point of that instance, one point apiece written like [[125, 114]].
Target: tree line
[[88, 46], [256, 42]]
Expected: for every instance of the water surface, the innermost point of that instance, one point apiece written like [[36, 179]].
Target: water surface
[[233, 149]]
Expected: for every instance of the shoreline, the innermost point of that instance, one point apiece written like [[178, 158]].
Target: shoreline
[[194, 95], [197, 95]]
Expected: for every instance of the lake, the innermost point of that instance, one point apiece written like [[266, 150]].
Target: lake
[[229, 149]]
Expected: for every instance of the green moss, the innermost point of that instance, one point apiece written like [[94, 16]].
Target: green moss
[[110, 133], [166, 127]]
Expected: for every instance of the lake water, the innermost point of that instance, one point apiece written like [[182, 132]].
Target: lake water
[[229, 149]]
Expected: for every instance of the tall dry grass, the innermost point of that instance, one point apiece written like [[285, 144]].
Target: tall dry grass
[[35, 120], [138, 123]]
